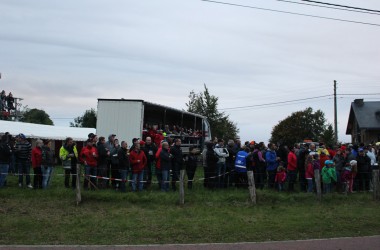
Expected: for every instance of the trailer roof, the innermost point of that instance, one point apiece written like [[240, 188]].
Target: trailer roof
[[155, 105]]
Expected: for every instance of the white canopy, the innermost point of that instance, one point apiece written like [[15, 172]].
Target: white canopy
[[31, 130]]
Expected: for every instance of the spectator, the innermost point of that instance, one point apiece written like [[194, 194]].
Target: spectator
[[211, 166], [5, 158], [230, 163], [138, 162], [349, 175], [166, 165], [191, 166], [323, 158], [115, 163], [23, 153], [150, 150], [68, 154], [10, 102], [280, 177], [177, 165], [301, 158], [292, 168], [259, 166], [103, 154], [328, 176], [222, 154], [339, 162], [364, 170], [158, 166], [241, 168], [272, 164], [36, 164], [48, 161], [110, 145], [124, 165], [89, 156], [309, 173]]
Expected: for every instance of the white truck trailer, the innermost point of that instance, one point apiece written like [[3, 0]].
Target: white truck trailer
[[126, 118]]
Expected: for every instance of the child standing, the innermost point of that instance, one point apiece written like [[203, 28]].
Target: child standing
[[328, 175], [349, 175], [280, 177]]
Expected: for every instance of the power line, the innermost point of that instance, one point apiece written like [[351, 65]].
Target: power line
[[361, 94], [267, 104], [328, 7], [344, 6], [291, 13]]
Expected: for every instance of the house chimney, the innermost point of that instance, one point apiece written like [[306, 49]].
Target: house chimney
[[359, 102]]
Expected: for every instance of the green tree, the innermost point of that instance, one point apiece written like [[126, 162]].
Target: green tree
[[205, 104], [37, 116], [87, 120], [328, 136], [299, 126]]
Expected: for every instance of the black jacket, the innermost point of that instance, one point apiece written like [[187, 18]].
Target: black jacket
[[124, 163], [166, 160], [102, 152], [364, 164], [150, 152], [47, 157], [176, 151], [5, 153]]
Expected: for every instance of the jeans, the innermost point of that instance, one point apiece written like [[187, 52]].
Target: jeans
[[271, 178], [124, 179], [89, 171], [23, 169], [46, 175], [280, 187], [159, 177], [165, 181], [310, 185], [73, 173], [327, 188], [220, 172], [138, 177], [3, 174]]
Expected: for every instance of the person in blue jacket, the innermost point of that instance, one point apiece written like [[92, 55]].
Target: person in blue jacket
[[272, 164], [241, 168]]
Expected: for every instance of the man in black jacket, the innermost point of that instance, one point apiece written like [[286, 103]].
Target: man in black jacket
[[124, 165], [103, 153]]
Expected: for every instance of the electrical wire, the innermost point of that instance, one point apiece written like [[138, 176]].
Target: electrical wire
[[291, 13], [344, 6], [283, 102], [328, 7]]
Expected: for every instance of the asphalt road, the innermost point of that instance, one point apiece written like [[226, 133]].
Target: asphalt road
[[361, 243]]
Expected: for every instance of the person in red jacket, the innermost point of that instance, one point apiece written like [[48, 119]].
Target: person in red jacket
[[309, 173], [280, 177], [138, 162], [36, 164], [292, 168], [89, 156]]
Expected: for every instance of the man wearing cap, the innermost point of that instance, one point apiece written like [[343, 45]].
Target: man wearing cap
[[23, 154]]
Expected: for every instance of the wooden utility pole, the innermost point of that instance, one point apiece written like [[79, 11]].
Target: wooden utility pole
[[251, 187], [317, 177], [335, 115], [78, 193]]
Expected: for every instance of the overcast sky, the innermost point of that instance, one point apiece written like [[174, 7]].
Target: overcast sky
[[61, 56]]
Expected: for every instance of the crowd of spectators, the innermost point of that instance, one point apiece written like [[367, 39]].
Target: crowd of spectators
[[6, 105], [159, 158]]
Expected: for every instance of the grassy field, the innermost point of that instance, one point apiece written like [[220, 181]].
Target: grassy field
[[151, 217]]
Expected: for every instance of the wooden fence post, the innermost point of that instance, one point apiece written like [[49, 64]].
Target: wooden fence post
[[375, 184], [317, 177], [79, 195], [252, 187], [182, 187]]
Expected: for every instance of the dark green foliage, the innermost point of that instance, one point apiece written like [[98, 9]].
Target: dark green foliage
[[299, 126], [205, 104], [37, 116], [87, 120]]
